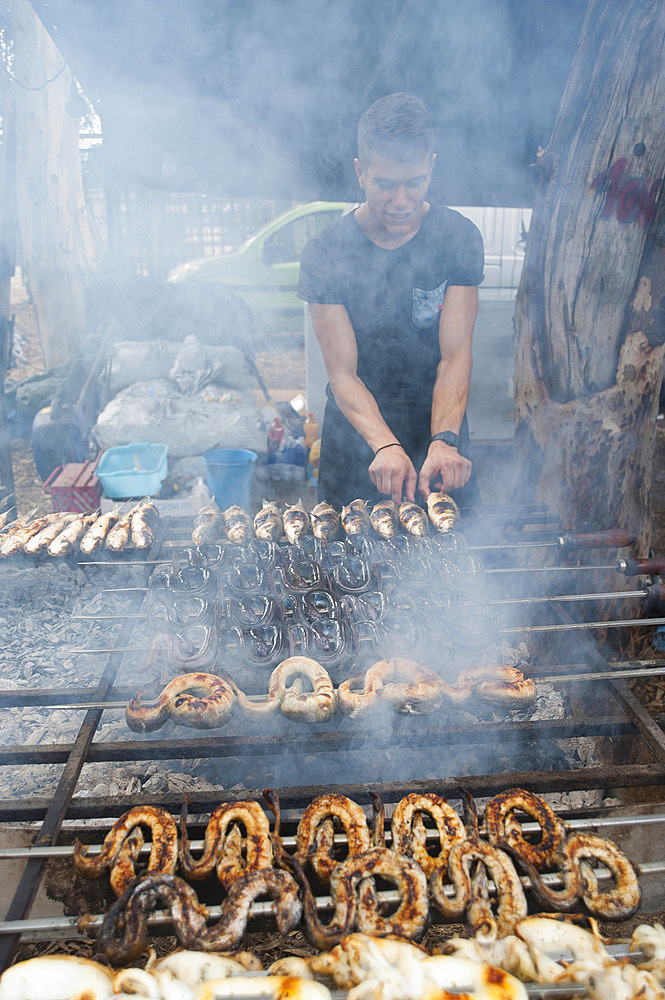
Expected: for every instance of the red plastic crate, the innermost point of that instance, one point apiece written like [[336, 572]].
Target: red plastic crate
[[74, 487]]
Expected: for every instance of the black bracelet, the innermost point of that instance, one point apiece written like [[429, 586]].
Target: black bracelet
[[393, 444]]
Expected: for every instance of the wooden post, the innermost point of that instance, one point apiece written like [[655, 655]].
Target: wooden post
[[590, 312], [7, 267], [58, 247]]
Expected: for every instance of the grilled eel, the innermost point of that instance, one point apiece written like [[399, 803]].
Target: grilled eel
[[317, 705], [580, 883], [471, 893], [123, 935], [315, 836], [491, 682], [123, 843], [202, 701], [504, 828], [354, 898], [406, 685], [409, 834], [223, 843]]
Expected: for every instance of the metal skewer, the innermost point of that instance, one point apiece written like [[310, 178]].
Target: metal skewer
[[571, 626]]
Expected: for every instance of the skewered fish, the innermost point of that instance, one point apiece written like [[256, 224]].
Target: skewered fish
[[143, 523], [237, 524], [53, 525], [317, 705], [93, 538], [117, 537], [296, 522], [355, 519], [442, 510], [385, 518], [413, 518], [68, 537], [208, 526], [325, 521], [268, 523]]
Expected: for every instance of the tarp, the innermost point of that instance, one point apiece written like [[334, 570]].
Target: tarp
[[261, 97]]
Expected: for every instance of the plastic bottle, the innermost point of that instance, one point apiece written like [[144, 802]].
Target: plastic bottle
[[311, 429], [313, 464], [275, 435]]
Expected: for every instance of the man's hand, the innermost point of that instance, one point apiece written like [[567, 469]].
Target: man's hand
[[392, 472], [445, 466]]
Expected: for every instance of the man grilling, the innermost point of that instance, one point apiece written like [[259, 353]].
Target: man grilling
[[393, 293]]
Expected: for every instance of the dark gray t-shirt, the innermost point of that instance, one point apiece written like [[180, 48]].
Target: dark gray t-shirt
[[393, 297]]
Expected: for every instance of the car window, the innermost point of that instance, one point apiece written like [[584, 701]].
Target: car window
[[286, 245]]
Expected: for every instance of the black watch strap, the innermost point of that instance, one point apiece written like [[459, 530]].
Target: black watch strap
[[449, 437]]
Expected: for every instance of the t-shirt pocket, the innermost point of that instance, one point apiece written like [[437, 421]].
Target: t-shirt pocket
[[427, 306]]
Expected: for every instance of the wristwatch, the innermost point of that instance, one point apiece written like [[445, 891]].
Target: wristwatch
[[449, 437]]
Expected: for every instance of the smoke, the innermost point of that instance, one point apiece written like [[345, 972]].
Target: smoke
[[261, 98]]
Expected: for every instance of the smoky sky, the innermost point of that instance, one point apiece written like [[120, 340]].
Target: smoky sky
[[261, 97]]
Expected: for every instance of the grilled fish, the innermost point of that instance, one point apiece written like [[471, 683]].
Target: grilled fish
[[325, 521], [355, 519], [70, 534], [268, 523], [118, 536], [237, 524], [296, 522], [143, 523], [208, 526], [413, 518], [96, 533], [385, 518], [442, 510], [40, 541]]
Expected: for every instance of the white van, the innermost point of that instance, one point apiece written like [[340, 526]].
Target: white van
[[490, 407]]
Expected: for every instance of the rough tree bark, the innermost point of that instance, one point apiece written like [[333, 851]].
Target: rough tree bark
[[58, 247], [590, 312]]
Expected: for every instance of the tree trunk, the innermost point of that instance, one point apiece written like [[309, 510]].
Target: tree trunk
[[590, 312], [57, 243]]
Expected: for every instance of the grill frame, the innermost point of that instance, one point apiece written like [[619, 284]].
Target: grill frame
[[630, 720]]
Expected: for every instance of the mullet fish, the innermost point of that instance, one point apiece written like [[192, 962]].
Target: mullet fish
[[385, 518], [325, 521], [442, 510], [355, 519], [413, 518], [208, 526], [96, 533], [65, 541], [268, 524], [296, 522], [237, 524], [143, 523]]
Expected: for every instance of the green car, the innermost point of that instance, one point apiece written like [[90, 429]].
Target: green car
[[264, 271]]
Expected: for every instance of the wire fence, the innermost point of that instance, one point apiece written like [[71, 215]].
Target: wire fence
[[152, 230]]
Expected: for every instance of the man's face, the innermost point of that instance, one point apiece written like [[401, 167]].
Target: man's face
[[395, 191]]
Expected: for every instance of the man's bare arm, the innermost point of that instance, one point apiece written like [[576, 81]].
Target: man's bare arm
[[391, 470], [451, 389]]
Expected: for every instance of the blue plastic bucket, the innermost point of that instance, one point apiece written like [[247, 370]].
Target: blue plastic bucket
[[230, 472]]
